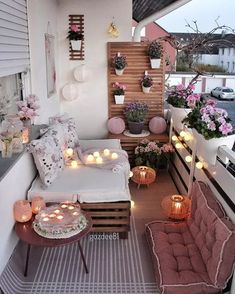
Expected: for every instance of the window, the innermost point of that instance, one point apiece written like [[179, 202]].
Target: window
[[229, 51], [10, 92], [228, 64], [222, 51], [222, 63], [233, 67]]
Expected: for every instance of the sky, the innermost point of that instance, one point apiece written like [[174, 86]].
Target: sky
[[205, 12]]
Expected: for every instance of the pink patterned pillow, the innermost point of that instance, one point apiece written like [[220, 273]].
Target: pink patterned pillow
[[48, 158]]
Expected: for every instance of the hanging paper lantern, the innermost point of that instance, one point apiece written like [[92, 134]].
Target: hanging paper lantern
[[116, 125], [157, 125]]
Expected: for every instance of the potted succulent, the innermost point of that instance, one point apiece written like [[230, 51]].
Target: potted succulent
[[119, 63], [155, 52], [135, 114], [119, 92], [75, 37], [146, 83]]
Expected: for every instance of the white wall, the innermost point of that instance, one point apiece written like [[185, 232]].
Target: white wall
[[91, 108], [227, 59], [42, 15], [212, 59], [13, 187]]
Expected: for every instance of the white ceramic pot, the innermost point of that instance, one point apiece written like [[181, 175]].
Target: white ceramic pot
[[207, 149], [119, 99], [177, 115], [76, 45], [119, 72], [146, 89], [155, 63]]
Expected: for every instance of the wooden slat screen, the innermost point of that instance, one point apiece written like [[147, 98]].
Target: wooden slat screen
[[138, 63], [79, 21], [14, 41]]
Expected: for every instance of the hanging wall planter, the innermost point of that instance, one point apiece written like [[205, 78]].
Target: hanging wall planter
[[76, 45], [119, 99], [146, 89], [155, 63], [155, 52], [119, 72]]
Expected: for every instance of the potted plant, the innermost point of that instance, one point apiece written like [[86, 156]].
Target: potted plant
[[155, 52], [153, 154], [119, 63], [75, 37], [146, 83], [119, 92], [135, 114], [211, 129], [181, 99]]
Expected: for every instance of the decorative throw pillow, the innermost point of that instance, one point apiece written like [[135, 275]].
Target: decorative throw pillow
[[57, 133], [48, 158]]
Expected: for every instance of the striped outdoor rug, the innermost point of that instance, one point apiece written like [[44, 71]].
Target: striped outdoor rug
[[115, 266]]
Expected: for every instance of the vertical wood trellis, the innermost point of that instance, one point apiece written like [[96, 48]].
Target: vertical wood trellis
[[78, 20]]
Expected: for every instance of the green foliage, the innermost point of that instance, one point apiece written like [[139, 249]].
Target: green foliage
[[155, 50]]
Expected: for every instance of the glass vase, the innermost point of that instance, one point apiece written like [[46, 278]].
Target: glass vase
[[6, 148]]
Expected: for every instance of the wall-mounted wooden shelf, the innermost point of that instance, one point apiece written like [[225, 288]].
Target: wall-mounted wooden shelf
[[78, 20]]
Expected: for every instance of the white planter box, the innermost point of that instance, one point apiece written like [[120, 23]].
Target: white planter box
[[119, 99], [146, 89], [119, 72], [76, 45], [155, 63]]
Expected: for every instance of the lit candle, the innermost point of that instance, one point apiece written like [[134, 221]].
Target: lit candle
[[106, 152], [52, 215], [178, 145], [96, 154], [199, 165], [64, 205], [25, 136], [142, 175], [45, 219], [22, 211], [74, 164], [114, 155], [60, 217], [188, 158], [90, 158], [174, 138], [69, 152], [99, 160], [71, 207], [75, 213], [37, 204], [177, 200], [57, 211]]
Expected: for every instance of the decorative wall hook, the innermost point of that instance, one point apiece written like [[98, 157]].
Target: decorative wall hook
[[113, 30]]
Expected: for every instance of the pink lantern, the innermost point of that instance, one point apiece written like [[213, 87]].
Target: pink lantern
[[157, 125], [37, 204], [116, 125]]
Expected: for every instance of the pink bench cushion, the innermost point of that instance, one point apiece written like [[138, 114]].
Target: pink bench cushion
[[196, 256], [213, 234]]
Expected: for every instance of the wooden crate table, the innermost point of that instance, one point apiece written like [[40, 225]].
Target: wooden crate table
[[129, 143]]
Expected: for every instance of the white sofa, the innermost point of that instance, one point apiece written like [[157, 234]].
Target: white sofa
[[100, 191]]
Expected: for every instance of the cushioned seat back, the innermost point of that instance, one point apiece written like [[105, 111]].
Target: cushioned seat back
[[213, 234]]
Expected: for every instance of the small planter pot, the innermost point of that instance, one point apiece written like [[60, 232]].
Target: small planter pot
[[155, 63], [135, 127], [119, 99], [76, 45], [146, 89], [119, 72]]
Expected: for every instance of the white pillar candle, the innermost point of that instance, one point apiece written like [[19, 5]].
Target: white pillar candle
[[106, 152], [114, 155]]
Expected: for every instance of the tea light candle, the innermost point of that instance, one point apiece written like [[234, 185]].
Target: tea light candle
[[99, 160], [75, 213], [69, 152], [114, 155], [52, 215], [64, 205], [106, 152], [71, 207], [22, 211], [74, 164], [59, 217], [90, 158], [57, 211], [37, 204], [96, 154], [45, 219], [142, 175]]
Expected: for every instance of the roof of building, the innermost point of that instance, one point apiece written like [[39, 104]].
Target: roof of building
[[216, 41], [144, 8]]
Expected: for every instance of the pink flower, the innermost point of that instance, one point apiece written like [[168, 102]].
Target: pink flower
[[211, 102], [180, 87], [211, 126], [191, 87], [206, 118], [74, 28], [192, 99], [226, 128], [144, 141]]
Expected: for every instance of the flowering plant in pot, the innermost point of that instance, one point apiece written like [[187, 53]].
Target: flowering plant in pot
[[119, 92], [153, 154], [146, 83], [27, 109], [75, 37], [119, 63], [211, 129], [135, 114], [155, 52]]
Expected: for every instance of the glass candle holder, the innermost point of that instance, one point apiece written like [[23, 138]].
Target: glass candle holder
[[37, 204], [22, 211]]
